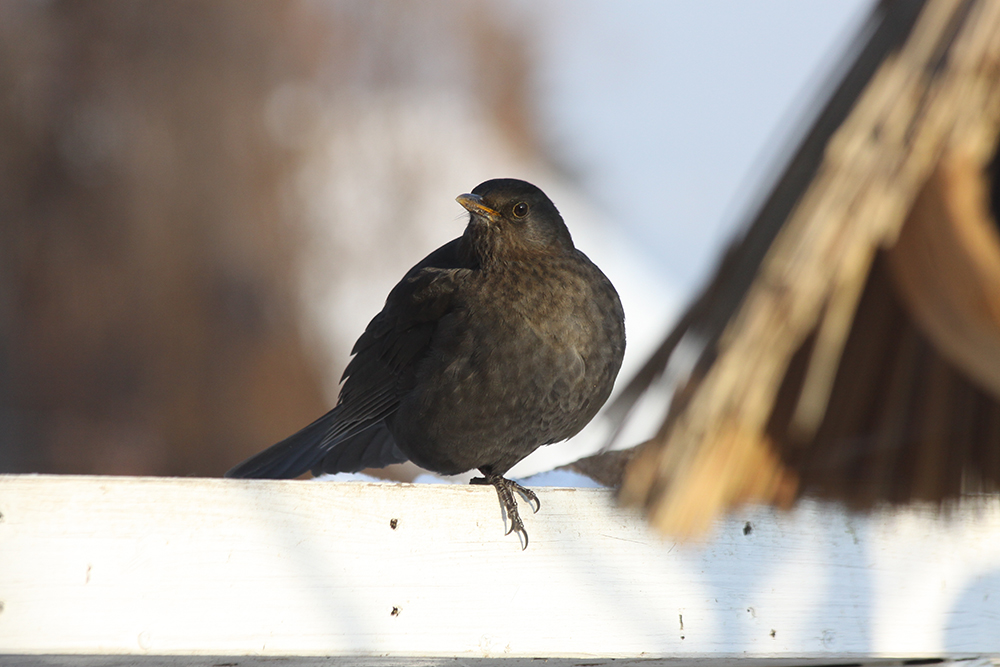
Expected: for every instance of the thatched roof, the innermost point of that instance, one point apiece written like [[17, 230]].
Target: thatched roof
[[849, 343]]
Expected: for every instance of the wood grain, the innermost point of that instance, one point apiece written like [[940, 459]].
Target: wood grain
[[98, 566]]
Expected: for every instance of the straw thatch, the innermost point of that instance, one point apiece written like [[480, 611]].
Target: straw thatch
[[849, 343]]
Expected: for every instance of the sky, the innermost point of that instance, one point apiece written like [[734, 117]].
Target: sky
[[672, 114]]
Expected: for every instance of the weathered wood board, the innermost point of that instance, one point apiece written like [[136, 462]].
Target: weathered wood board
[[386, 573]]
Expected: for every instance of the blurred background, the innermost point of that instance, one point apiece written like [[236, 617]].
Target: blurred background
[[203, 203]]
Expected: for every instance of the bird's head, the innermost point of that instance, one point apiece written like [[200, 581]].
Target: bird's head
[[511, 219]]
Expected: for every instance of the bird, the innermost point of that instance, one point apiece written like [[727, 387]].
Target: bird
[[501, 341]]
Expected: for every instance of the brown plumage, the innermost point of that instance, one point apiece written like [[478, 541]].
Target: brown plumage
[[501, 341]]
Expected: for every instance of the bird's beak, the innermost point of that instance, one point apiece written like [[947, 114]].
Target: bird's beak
[[474, 204]]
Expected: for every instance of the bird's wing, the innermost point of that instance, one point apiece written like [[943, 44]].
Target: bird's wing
[[387, 354], [382, 370]]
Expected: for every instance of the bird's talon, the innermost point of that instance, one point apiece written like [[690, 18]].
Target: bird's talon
[[530, 496], [508, 503], [534, 503]]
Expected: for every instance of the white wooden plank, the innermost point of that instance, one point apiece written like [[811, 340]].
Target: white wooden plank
[[199, 567], [356, 661]]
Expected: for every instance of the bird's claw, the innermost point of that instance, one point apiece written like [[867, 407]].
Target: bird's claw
[[529, 496], [508, 503]]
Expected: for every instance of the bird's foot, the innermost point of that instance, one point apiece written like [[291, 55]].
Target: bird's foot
[[527, 494], [505, 488]]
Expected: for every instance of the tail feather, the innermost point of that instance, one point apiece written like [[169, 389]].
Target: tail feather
[[372, 448], [291, 457], [313, 448]]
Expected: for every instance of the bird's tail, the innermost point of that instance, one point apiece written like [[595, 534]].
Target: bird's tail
[[327, 445], [293, 456]]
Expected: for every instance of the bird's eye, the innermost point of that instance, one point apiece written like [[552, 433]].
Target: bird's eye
[[520, 210]]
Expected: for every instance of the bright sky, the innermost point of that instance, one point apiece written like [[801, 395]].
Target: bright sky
[[672, 112]]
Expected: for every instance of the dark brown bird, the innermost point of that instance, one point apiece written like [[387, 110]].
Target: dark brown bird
[[501, 341]]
